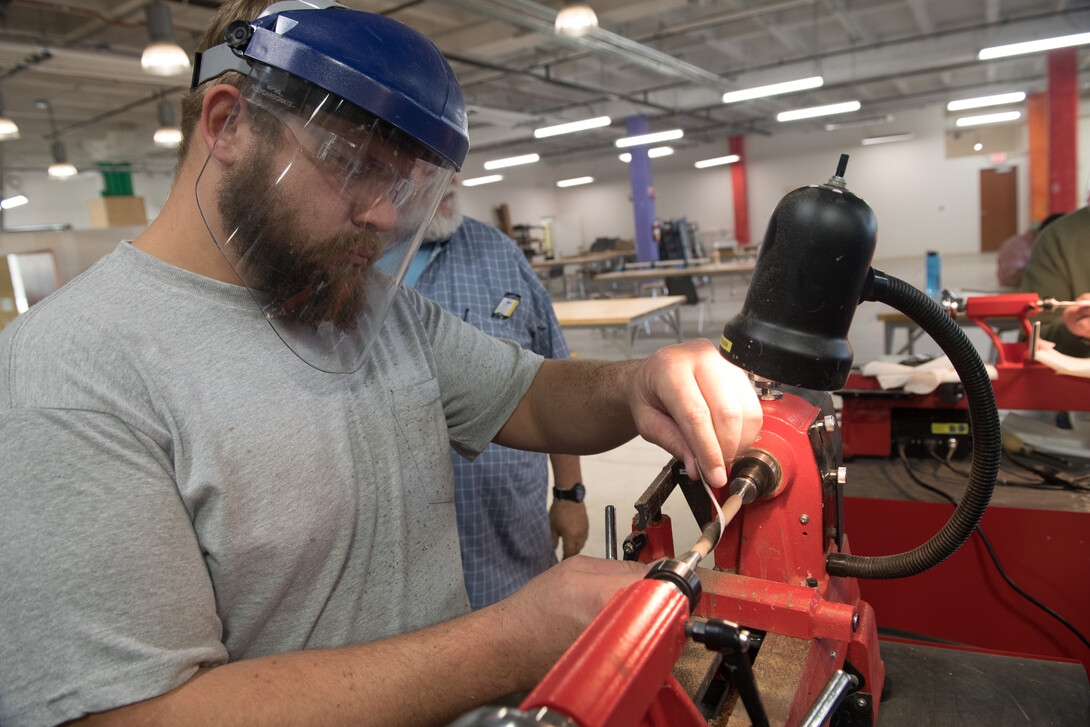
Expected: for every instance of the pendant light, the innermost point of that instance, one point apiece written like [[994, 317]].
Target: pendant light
[[163, 56], [168, 134], [576, 19], [61, 168], [8, 129]]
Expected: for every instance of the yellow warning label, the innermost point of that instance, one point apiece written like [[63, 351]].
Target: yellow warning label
[[724, 343], [949, 428]]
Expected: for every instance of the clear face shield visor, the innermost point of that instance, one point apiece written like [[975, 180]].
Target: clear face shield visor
[[319, 207]]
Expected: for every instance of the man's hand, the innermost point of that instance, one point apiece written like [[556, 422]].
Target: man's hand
[[701, 409], [568, 521], [551, 610], [1077, 317], [504, 648]]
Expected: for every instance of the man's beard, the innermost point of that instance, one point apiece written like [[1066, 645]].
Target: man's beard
[[303, 280], [442, 226]]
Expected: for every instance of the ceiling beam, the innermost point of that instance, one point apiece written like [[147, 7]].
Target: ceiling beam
[[922, 15], [532, 16]]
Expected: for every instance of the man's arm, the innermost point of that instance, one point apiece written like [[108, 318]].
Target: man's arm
[[1077, 318], [1051, 274], [423, 678], [685, 398], [568, 519]]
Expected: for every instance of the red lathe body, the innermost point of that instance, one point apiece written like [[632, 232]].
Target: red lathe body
[[1021, 382], [770, 577]]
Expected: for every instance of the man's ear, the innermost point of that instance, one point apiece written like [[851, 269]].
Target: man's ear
[[218, 127]]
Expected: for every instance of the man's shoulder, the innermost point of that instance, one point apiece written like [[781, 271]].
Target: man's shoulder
[[90, 328], [69, 307], [486, 243], [1071, 226], [483, 233]]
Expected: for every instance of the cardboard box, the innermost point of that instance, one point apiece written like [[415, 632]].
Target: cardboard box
[[117, 212]]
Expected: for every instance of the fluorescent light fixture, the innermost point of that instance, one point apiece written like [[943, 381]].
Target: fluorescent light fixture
[[650, 138], [575, 19], [813, 111], [653, 153], [595, 123], [889, 139], [476, 181], [989, 118], [512, 161], [976, 103], [773, 89], [1033, 46], [163, 56], [17, 201], [574, 182], [856, 123], [717, 161]]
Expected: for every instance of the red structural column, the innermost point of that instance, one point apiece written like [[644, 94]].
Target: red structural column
[[1037, 118], [739, 189], [1063, 124]]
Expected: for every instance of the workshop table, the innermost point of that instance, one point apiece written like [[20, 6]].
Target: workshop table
[[891, 322], [544, 268], [627, 314], [733, 268], [583, 258]]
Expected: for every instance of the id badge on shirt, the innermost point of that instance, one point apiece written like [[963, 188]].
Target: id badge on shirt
[[506, 306]]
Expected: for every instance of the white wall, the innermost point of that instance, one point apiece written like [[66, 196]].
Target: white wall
[[922, 199], [53, 202]]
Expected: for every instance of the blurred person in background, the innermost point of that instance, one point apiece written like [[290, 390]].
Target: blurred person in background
[[1059, 267], [1015, 251], [479, 274]]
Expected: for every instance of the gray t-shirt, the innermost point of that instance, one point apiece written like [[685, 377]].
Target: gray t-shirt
[[178, 489]]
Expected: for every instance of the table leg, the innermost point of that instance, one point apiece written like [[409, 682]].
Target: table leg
[[914, 334]]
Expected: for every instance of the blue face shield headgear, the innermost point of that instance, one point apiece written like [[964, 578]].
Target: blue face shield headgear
[[323, 211]]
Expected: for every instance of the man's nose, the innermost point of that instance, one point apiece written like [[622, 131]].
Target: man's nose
[[378, 213]]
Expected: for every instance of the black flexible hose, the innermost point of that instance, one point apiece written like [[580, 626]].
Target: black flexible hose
[[987, 437]]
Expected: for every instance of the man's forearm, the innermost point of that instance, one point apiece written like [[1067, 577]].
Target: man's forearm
[[574, 407], [423, 678], [566, 470], [685, 398]]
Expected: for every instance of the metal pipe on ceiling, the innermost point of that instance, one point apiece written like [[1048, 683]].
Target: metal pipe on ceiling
[[530, 15]]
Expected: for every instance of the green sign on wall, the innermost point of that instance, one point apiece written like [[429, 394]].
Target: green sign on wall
[[118, 179]]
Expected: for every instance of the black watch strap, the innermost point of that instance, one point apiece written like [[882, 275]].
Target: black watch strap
[[575, 494]]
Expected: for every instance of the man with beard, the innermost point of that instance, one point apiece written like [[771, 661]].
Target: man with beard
[[308, 284], [476, 272], [229, 501]]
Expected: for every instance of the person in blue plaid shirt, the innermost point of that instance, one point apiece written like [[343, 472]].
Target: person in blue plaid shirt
[[507, 535]]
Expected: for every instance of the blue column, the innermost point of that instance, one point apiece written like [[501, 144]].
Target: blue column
[[643, 203]]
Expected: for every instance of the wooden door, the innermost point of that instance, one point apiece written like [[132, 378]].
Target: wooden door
[[998, 206]]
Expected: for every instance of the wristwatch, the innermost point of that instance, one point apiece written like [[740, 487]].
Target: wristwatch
[[575, 494]]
